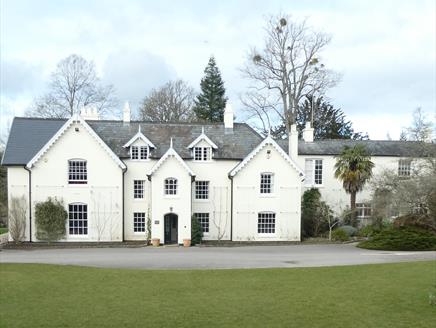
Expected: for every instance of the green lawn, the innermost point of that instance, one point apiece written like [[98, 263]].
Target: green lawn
[[389, 295], [3, 230]]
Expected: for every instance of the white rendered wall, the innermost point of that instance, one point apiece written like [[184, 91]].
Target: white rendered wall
[[18, 186], [102, 193], [179, 204], [285, 201]]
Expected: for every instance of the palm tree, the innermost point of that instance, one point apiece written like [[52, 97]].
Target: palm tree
[[354, 169]]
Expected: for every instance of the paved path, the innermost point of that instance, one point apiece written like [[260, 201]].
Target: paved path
[[212, 257]]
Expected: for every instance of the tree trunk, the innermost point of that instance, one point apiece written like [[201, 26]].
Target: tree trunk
[[353, 209]]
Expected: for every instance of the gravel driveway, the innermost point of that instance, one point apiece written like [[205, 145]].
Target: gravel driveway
[[212, 257]]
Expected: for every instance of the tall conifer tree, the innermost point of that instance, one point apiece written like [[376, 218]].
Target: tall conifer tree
[[210, 103]]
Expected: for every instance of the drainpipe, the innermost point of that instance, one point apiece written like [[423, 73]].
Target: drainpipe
[[122, 197], [30, 203], [231, 208]]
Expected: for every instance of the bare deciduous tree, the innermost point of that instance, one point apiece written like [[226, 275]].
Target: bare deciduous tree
[[421, 129], [219, 212], [105, 215], [74, 85], [171, 102], [289, 66], [17, 218]]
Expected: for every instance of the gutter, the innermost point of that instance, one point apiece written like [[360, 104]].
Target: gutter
[[30, 202]]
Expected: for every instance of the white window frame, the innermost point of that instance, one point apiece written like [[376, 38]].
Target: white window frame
[[264, 227], [202, 154], [78, 212], [202, 190], [139, 222], [168, 191], [139, 152], [266, 186], [404, 167], [362, 210], [75, 175], [138, 189], [204, 221], [311, 171]]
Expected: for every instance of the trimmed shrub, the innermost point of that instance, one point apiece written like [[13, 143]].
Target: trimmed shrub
[[349, 230], [401, 239], [315, 214], [196, 231], [340, 235], [422, 221], [50, 218]]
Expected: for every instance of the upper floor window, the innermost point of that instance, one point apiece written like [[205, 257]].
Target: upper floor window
[[77, 171], [138, 189], [404, 167], [314, 172], [78, 219], [202, 153], [363, 210], [266, 222], [201, 189], [171, 186], [139, 152], [266, 183]]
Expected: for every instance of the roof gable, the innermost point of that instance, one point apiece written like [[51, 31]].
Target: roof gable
[[140, 136], [74, 119], [171, 153], [201, 137], [267, 141]]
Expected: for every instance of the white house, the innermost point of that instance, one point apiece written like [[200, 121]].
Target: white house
[[112, 176]]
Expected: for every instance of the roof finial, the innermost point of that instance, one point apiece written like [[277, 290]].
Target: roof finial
[[139, 128], [171, 143], [269, 132], [202, 130]]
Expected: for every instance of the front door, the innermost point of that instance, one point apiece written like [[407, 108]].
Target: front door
[[171, 224]]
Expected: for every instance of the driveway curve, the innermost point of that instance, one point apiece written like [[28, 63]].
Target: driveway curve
[[212, 257]]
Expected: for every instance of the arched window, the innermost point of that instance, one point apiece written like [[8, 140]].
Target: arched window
[[78, 219], [77, 171], [170, 186]]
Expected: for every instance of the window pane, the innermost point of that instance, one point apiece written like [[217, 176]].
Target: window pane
[[170, 186], [201, 189], [203, 219], [77, 171], [138, 189], [266, 223], [138, 222], [266, 183], [78, 219]]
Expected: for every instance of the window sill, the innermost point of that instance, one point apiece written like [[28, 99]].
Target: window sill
[[171, 196], [201, 200], [314, 186], [267, 195], [140, 160]]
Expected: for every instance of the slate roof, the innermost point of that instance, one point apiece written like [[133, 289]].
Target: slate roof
[[29, 135], [375, 147]]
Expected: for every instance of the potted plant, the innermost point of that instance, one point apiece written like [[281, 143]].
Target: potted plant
[[155, 242], [187, 242]]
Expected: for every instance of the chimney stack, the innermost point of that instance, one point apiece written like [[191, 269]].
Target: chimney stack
[[293, 142], [126, 112], [90, 113], [228, 116], [308, 133]]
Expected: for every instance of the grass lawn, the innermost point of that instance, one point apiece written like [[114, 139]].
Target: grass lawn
[[3, 230], [387, 295]]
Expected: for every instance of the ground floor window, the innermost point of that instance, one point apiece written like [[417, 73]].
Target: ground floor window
[[138, 222], [78, 219], [203, 219], [266, 223], [363, 210]]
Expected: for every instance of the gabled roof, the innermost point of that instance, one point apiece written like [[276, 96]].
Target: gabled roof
[[267, 141], [61, 131], [137, 136], [201, 137], [171, 153], [29, 135]]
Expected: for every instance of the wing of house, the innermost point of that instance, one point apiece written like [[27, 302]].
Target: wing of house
[[116, 177]]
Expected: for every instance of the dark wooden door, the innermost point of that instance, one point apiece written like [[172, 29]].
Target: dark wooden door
[[171, 227]]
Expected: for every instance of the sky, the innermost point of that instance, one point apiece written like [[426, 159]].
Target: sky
[[384, 50]]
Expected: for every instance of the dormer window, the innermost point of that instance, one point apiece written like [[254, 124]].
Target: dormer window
[[139, 152], [202, 153]]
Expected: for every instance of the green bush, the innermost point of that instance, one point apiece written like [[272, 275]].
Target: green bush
[[401, 239], [340, 235], [196, 231], [50, 218], [349, 230], [315, 214]]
